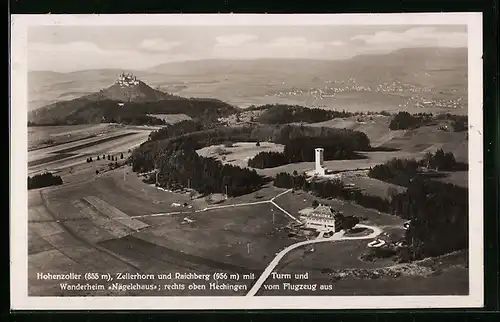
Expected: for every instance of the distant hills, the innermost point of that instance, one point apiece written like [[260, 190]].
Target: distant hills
[[262, 81], [127, 100], [46, 87], [414, 59]]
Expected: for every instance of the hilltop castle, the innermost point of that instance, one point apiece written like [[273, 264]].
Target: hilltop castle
[[126, 80]]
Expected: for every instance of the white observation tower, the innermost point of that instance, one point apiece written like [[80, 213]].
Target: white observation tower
[[319, 168]]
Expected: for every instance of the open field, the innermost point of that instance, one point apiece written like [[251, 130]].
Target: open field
[[244, 237], [112, 218], [423, 139], [376, 127], [113, 222], [45, 136], [239, 153], [459, 178], [71, 154], [90, 144], [51, 158], [430, 139], [373, 187], [99, 218]]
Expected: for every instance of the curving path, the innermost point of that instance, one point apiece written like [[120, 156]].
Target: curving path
[[271, 201], [337, 236]]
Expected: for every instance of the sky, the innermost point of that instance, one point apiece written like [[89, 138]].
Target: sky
[[73, 48]]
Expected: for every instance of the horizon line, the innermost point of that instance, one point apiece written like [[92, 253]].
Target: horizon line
[[147, 69]]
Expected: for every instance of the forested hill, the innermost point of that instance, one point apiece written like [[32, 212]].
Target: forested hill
[[134, 100], [141, 92]]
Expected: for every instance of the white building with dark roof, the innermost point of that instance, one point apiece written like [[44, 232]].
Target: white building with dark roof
[[322, 218]]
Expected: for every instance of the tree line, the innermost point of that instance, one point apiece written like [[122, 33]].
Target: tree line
[[185, 168], [189, 135], [438, 212], [179, 166], [137, 119], [459, 123], [104, 157], [186, 138], [176, 129], [402, 171], [404, 120], [167, 142], [283, 114], [43, 180], [303, 150], [86, 111]]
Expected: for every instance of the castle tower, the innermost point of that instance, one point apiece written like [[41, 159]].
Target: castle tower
[[319, 168]]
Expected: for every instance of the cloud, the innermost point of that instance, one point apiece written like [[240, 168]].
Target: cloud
[[294, 42], [158, 44], [337, 43], [415, 37], [154, 50], [282, 47], [234, 40], [87, 55]]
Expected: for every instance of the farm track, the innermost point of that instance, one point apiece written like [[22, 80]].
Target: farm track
[[52, 158], [61, 143], [90, 144]]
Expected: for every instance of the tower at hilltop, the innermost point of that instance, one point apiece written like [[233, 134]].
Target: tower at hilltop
[[319, 162], [127, 83]]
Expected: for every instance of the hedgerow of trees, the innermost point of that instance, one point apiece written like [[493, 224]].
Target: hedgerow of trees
[[180, 166], [137, 119], [405, 120], [85, 111], [302, 150], [176, 129], [459, 123], [396, 171], [268, 160], [283, 114], [153, 153], [403, 171], [438, 214], [300, 142], [43, 180]]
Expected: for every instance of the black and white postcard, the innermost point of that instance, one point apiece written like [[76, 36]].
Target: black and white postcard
[[246, 161]]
